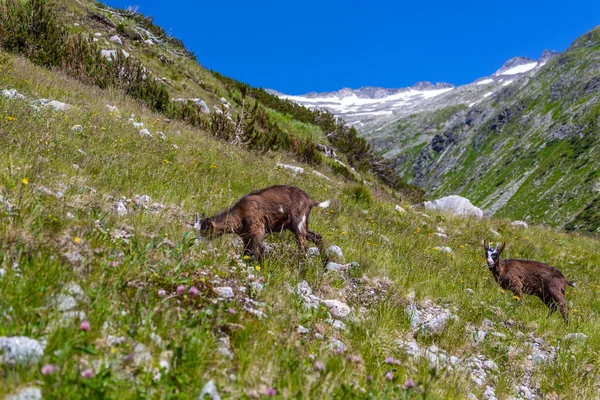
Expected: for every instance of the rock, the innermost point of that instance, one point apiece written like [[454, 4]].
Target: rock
[[441, 235], [437, 324], [487, 322], [149, 42], [304, 289], [470, 291], [337, 345], [145, 132], [412, 348], [57, 105], [210, 390], [338, 325], [582, 337], [114, 341], [126, 55], [334, 253], [223, 100], [64, 302], [499, 335], [479, 335], [414, 315], [331, 266], [77, 128], [444, 249], [141, 201], [28, 393], [20, 350], [313, 251], [454, 204], [489, 393], [309, 300], [98, 34], [302, 330], [112, 108], [224, 291], [297, 170], [108, 54], [161, 136], [471, 396], [525, 392], [337, 308], [320, 175], [121, 208], [519, 223], [116, 39], [400, 209], [203, 106], [11, 94]]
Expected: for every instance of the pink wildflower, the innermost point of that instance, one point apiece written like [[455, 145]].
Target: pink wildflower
[[84, 326]]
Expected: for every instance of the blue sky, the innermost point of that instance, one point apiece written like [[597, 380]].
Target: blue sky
[[298, 47]]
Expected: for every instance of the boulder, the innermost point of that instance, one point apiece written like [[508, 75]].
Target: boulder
[[454, 204]]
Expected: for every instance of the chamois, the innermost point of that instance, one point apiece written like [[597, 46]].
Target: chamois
[[530, 277], [269, 210]]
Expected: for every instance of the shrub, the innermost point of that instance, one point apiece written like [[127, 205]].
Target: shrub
[[359, 194]]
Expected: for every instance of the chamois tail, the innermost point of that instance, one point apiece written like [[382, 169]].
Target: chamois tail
[[324, 204], [572, 284]]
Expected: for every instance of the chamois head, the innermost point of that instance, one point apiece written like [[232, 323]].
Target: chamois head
[[202, 226], [492, 255]]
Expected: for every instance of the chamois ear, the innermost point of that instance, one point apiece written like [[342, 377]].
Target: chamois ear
[[486, 246], [501, 247]]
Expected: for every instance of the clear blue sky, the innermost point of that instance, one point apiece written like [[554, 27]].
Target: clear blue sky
[[298, 47]]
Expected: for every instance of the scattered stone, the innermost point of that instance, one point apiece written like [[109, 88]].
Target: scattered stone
[[121, 209], [519, 223], [400, 209], [149, 42], [57, 105], [112, 108], [455, 205], [431, 319], [470, 291], [309, 299], [479, 335], [582, 337], [320, 175], [210, 390], [331, 266], [337, 345], [11, 94], [303, 330], [161, 136], [98, 34], [313, 251], [20, 350], [499, 335], [77, 128], [296, 170], [145, 132], [424, 215], [114, 341], [334, 253], [489, 393], [444, 249], [337, 308], [224, 291], [28, 393], [116, 39], [338, 325], [441, 235], [108, 54], [141, 201]]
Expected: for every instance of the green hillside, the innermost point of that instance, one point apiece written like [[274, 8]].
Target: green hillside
[[91, 270]]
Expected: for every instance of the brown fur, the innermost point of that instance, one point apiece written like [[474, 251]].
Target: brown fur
[[259, 213], [531, 277]]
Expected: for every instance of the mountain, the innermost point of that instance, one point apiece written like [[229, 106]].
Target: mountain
[[361, 107], [522, 143]]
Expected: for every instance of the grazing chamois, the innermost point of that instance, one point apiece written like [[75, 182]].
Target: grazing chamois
[[269, 210], [530, 277]]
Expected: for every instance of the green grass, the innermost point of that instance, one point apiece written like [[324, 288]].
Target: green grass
[[122, 279]]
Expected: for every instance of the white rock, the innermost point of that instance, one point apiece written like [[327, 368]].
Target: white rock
[[338, 325], [470, 291], [20, 350], [149, 42], [454, 204], [77, 128], [296, 170], [576, 337], [441, 235], [337, 308], [108, 54], [304, 289], [479, 335], [161, 135], [116, 39], [64, 302], [334, 253], [141, 201], [210, 390], [121, 208], [98, 34], [112, 108], [331, 266], [400, 209], [313, 251], [224, 291], [414, 314], [525, 392], [145, 132], [11, 94], [302, 330], [57, 105], [320, 175], [223, 100], [444, 249], [28, 393], [519, 223], [125, 54]]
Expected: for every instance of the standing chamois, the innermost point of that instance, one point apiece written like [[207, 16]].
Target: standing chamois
[[531, 277], [264, 211]]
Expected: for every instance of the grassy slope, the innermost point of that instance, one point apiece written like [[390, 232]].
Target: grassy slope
[[122, 279]]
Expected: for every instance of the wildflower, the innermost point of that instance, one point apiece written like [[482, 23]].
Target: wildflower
[[10, 118], [436, 248], [271, 391], [501, 290], [180, 289], [517, 298], [461, 246], [389, 376], [213, 166], [49, 369], [232, 310], [369, 378], [77, 239], [343, 233], [162, 292], [87, 374], [246, 257], [389, 360], [193, 291], [84, 326], [319, 366], [25, 181], [354, 358], [167, 161], [409, 384], [112, 264], [257, 267]]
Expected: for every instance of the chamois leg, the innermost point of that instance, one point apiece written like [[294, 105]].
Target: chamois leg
[[299, 229], [314, 237], [517, 289], [559, 301]]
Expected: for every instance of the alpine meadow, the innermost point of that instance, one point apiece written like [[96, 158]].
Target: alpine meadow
[[114, 139]]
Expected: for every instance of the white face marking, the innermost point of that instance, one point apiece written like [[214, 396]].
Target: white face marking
[[489, 253], [281, 209], [301, 224]]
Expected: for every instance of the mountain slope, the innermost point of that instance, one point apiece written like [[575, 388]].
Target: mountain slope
[[528, 151]]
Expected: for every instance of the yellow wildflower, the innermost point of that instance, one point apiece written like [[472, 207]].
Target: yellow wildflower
[[213, 166], [517, 298], [25, 181], [501, 290], [77, 239], [257, 267], [167, 161], [10, 118], [461, 246], [246, 257], [343, 233]]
